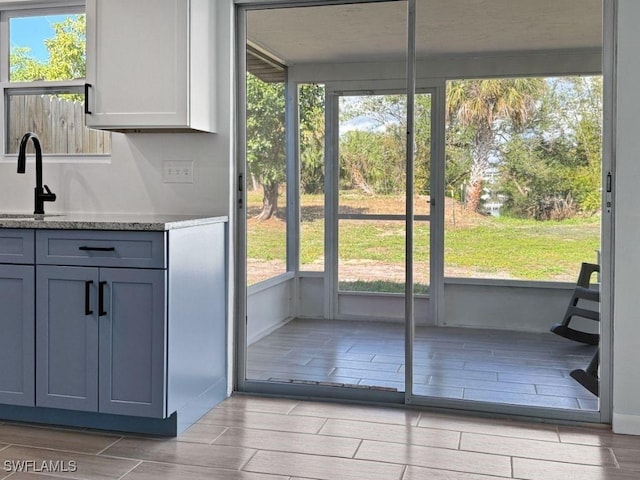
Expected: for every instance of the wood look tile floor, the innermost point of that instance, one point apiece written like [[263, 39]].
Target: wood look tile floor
[[261, 438], [496, 366]]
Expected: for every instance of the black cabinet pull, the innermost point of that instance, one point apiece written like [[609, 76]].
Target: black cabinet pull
[[87, 297], [87, 86], [101, 311], [97, 249]]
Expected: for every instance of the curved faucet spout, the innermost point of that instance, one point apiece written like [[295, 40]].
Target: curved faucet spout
[[40, 196]]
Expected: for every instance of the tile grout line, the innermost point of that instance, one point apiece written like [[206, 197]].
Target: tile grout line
[[242, 468], [317, 432], [357, 449], [140, 462], [420, 412], [615, 458], [54, 449], [109, 446], [226, 429]]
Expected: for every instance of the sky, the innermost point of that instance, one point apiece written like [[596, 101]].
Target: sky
[[32, 31]]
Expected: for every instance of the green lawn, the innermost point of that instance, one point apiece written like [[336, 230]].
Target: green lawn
[[524, 249], [481, 246]]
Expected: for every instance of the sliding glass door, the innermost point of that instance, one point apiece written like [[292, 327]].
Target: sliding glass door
[[384, 253]]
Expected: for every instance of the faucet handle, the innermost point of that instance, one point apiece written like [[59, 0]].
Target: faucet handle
[[49, 196]]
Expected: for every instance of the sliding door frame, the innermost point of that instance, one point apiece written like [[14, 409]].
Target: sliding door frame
[[437, 241]]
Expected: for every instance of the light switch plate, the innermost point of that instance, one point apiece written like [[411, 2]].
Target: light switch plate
[[177, 172]]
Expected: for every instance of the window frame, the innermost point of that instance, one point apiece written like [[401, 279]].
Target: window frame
[[37, 87]]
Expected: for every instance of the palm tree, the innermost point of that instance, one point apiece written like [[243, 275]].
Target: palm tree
[[489, 107]]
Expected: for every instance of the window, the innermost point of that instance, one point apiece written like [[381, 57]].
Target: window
[[267, 182], [311, 133], [523, 174], [43, 76]]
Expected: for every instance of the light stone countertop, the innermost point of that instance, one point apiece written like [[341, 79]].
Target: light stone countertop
[[111, 221]]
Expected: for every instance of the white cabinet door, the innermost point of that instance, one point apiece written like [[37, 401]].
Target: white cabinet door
[[138, 64]]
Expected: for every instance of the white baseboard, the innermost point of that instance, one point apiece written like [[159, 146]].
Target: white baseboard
[[266, 331], [626, 424]]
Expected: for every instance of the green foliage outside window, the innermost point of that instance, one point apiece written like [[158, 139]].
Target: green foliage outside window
[[67, 54]]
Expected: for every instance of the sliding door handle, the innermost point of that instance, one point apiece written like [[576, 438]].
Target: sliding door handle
[[87, 297], [101, 310]]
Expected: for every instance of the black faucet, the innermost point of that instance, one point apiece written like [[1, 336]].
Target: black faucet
[[40, 195]]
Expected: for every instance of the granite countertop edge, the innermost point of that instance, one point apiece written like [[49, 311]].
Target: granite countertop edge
[[131, 222]]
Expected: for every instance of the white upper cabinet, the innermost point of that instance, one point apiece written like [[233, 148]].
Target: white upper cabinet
[[151, 65]]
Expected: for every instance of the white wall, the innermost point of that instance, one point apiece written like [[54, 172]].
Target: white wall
[[509, 305], [626, 321], [269, 307], [131, 180]]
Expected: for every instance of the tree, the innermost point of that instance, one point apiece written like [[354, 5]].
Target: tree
[[311, 108], [537, 178], [366, 163], [266, 152], [385, 119], [582, 112], [266, 139], [552, 168], [67, 57], [488, 108]]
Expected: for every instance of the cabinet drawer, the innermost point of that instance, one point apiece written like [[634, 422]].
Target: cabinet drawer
[[101, 248], [16, 245]]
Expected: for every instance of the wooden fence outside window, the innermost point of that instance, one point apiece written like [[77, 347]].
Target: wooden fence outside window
[[59, 123]]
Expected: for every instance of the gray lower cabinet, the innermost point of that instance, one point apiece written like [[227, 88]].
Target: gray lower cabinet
[[101, 339], [123, 330], [17, 291], [133, 343], [16, 334]]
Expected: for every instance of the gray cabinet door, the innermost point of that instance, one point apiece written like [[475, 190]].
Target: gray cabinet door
[[133, 342], [17, 327], [67, 337]]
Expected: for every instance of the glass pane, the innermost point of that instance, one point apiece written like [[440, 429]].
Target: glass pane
[[372, 186], [266, 171], [422, 196], [309, 349], [48, 47], [371, 256], [311, 114], [58, 120], [524, 188]]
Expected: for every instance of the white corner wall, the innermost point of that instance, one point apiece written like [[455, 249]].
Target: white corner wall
[[626, 321]]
